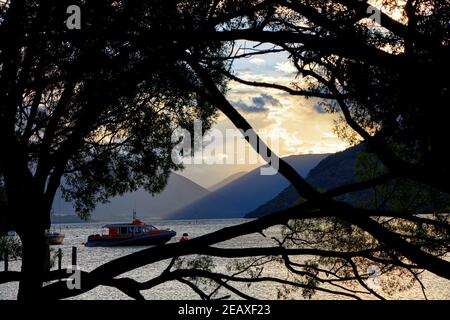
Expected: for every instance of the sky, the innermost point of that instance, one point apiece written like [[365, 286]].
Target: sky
[[301, 126]]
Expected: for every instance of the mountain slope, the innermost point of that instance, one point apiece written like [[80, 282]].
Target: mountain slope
[[335, 170], [226, 181], [178, 193], [245, 193]]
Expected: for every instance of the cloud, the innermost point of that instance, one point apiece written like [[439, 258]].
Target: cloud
[[308, 128], [241, 105], [257, 61], [257, 104], [285, 67], [266, 99], [319, 108], [242, 70], [307, 131]]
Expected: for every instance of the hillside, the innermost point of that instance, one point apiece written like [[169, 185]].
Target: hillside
[[333, 171], [226, 181], [178, 193], [245, 193]]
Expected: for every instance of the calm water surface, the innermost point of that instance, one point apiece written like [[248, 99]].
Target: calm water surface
[[90, 258]]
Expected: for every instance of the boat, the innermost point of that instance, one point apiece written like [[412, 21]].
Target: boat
[[54, 238], [136, 233]]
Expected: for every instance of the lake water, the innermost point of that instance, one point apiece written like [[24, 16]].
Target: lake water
[[90, 258]]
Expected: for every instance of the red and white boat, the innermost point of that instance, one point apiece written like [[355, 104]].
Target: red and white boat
[[136, 233]]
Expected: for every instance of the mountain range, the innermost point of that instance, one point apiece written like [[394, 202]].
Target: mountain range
[[242, 194], [335, 170], [339, 169], [246, 193], [178, 193]]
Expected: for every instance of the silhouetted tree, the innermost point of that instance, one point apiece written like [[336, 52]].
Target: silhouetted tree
[[356, 61], [103, 83], [94, 108]]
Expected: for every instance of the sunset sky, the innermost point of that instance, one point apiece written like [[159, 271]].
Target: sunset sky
[[300, 123]]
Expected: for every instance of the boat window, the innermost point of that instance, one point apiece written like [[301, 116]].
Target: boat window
[[130, 229], [137, 230], [123, 230]]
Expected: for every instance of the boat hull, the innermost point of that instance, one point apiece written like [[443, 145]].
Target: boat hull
[[55, 239], [141, 240]]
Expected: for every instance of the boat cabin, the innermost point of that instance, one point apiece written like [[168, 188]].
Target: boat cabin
[[136, 227]]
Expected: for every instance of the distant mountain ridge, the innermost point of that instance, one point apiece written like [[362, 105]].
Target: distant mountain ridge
[[246, 193], [335, 170], [70, 218], [339, 169], [178, 193]]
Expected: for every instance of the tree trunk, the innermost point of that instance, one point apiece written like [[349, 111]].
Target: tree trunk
[[29, 215], [35, 262]]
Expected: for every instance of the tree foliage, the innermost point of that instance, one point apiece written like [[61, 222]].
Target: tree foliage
[[11, 246], [96, 106]]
